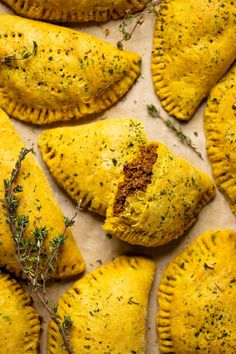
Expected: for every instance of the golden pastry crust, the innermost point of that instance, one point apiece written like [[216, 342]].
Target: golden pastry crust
[[108, 308], [71, 75], [157, 199], [19, 322], [197, 297], [75, 10], [194, 45], [87, 160], [220, 129], [36, 201]]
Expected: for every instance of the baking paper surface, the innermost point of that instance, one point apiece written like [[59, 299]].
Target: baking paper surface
[[93, 243]]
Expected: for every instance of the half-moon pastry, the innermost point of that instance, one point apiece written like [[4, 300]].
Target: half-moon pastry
[[108, 308], [220, 129], [194, 45], [19, 322], [197, 297], [87, 160], [36, 201], [75, 10], [157, 198], [50, 73]]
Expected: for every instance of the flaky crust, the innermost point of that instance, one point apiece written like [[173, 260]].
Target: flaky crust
[[108, 308], [197, 298], [220, 130], [194, 45], [70, 75], [19, 322], [36, 201], [75, 10], [87, 160]]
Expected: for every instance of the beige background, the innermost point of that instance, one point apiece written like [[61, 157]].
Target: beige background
[[87, 230]]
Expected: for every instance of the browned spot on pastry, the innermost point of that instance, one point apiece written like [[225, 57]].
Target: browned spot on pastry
[[138, 175]]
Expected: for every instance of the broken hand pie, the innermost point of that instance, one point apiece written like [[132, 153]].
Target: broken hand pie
[[50, 73], [75, 10], [36, 201], [87, 160], [194, 45], [19, 322], [197, 297], [158, 197], [108, 308], [152, 196], [220, 129]]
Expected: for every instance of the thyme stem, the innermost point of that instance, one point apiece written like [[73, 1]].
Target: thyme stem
[[25, 54], [138, 20], [29, 251], [184, 139]]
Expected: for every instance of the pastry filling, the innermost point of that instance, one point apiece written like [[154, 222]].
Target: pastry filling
[[138, 174]]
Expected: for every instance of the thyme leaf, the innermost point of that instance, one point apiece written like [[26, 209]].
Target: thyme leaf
[[131, 22], [35, 265], [24, 55], [183, 138]]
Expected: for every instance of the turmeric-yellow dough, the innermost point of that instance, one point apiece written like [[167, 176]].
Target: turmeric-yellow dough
[[197, 298], [36, 201], [157, 198], [19, 322], [50, 73], [75, 10], [194, 45], [220, 129], [87, 160], [108, 308]]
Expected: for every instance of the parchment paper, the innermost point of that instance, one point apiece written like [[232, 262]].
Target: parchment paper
[[93, 243]]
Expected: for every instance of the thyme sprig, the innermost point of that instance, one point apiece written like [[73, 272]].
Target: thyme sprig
[[183, 138], [35, 264], [131, 22], [25, 54]]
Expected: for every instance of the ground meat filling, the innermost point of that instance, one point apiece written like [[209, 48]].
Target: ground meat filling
[[138, 174]]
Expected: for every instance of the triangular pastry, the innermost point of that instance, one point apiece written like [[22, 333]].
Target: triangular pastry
[[75, 10], [19, 322], [87, 160], [36, 201], [220, 129], [61, 74], [157, 198], [197, 298], [108, 308], [194, 45]]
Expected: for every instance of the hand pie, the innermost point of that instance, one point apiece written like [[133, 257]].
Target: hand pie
[[19, 322], [75, 10], [220, 129], [153, 196], [194, 45], [197, 298], [36, 201], [108, 308], [60, 74], [157, 198], [87, 160]]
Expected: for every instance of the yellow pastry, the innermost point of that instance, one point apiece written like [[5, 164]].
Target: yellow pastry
[[75, 10], [220, 129], [197, 298], [87, 160], [108, 308], [60, 74], [19, 322], [194, 45], [157, 198], [36, 201]]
